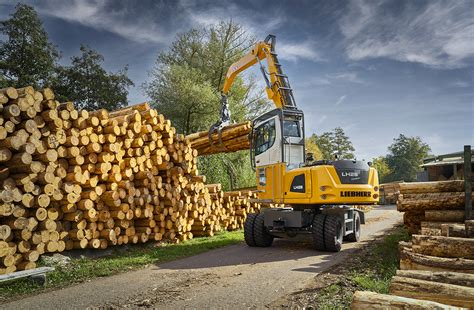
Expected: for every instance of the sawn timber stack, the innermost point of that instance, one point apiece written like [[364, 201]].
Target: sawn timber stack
[[78, 179]]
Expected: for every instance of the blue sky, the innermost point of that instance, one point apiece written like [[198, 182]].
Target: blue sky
[[375, 68]]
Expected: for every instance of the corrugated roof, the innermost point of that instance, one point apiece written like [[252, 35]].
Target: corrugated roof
[[443, 163]]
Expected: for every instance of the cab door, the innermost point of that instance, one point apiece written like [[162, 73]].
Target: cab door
[[267, 142], [267, 153]]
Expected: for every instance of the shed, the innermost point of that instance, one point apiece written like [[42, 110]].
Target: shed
[[443, 167]]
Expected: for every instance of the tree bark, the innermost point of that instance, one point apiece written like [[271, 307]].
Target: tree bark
[[363, 300], [449, 294]]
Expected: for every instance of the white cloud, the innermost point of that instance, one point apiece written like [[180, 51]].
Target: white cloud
[[298, 50], [257, 24], [440, 34], [459, 83], [97, 14], [156, 26], [332, 78], [341, 99], [352, 77]]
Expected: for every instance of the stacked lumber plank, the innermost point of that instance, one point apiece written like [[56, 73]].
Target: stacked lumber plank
[[75, 179], [425, 201], [234, 138]]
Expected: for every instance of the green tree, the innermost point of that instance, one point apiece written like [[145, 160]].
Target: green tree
[[312, 147], [334, 142], [200, 58], [89, 86], [405, 157], [381, 165], [26, 56], [185, 86], [342, 145]]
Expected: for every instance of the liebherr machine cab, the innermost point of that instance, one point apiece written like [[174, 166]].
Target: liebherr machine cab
[[320, 198]]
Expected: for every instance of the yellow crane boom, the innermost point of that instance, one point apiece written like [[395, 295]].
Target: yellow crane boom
[[278, 87]]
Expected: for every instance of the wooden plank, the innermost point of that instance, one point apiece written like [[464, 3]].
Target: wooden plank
[[25, 273]]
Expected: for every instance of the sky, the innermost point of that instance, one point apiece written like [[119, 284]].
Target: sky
[[376, 68]]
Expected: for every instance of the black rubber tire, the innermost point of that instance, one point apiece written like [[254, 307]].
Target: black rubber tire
[[261, 236], [248, 229], [333, 232], [355, 236], [317, 231]]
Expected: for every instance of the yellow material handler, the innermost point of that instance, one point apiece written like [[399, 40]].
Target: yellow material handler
[[320, 197]]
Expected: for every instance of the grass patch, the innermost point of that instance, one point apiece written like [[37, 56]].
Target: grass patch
[[371, 269], [132, 257], [375, 272]]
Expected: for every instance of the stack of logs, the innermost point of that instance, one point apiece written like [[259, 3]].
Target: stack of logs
[[76, 179], [389, 192], [416, 289], [225, 211], [430, 202], [233, 138], [437, 266]]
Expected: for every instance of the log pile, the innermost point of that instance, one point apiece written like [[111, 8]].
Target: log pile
[[442, 239], [422, 200], [234, 138], [389, 192], [363, 300], [75, 179], [437, 265], [225, 211], [32, 139], [449, 288]]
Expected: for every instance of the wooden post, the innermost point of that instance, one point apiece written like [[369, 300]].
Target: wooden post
[[467, 182]]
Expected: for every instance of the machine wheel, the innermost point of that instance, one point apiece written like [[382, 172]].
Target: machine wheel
[[317, 231], [248, 229], [355, 236], [333, 233], [261, 236]]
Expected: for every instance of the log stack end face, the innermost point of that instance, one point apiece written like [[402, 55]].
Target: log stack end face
[[78, 179]]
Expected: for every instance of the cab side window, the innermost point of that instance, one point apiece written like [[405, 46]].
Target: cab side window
[[265, 137], [291, 129]]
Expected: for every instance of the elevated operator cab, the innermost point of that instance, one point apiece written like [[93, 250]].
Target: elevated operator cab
[[278, 154]]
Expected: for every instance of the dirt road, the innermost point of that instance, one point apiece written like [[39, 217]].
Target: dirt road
[[233, 277]]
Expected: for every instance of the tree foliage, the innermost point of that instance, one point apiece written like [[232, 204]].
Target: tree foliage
[[334, 142], [185, 86], [89, 86], [312, 147], [381, 165], [187, 79], [405, 157], [26, 57]]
